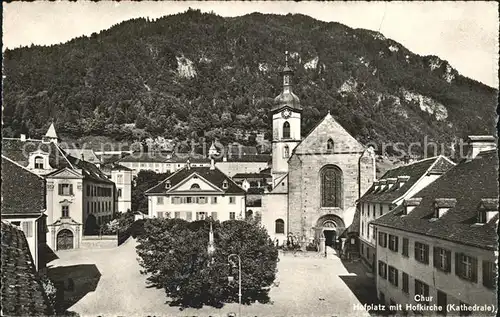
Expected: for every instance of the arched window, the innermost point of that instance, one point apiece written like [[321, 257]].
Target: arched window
[[286, 152], [329, 145], [331, 187], [279, 226], [286, 130], [195, 186], [38, 162]]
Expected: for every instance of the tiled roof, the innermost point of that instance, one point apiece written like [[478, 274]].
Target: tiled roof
[[22, 191], [215, 176], [147, 157], [22, 291], [19, 151], [248, 158], [469, 183], [85, 154], [89, 170], [413, 173], [251, 175]]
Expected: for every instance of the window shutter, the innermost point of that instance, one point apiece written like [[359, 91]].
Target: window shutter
[[71, 189], [426, 246], [474, 270], [457, 263], [60, 189], [397, 247], [448, 261], [385, 240], [416, 251], [214, 215], [435, 256]]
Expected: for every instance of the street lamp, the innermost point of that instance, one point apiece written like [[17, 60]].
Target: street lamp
[[239, 278]]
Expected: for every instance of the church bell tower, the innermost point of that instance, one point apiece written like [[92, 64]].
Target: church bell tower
[[286, 114]]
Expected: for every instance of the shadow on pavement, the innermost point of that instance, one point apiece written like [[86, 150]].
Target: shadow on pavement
[[361, 285], [73, 283]]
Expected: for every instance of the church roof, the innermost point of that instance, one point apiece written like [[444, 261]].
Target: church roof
[[469, 183], [287, 99], [328, 128], [51, 132]]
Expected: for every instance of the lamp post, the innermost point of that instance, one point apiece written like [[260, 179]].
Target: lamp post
[[239, 278]]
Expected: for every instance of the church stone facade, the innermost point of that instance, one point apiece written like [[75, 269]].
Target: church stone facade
[[316, 179]]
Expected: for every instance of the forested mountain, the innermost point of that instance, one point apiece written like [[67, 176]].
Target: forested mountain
[[202, 74]]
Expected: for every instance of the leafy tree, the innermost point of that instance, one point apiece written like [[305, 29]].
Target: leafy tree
[[173, 252], [142, 182]]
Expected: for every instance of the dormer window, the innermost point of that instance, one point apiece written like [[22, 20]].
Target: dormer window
[[442, 205], [402, 180], [168, 184], [225, 184], [329, 145], [410, 204], [487, 210], [39, 162]]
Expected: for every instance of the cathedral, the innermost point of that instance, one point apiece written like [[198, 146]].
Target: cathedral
[[316, 179]]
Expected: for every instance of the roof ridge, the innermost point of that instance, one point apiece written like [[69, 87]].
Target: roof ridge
[[8, 159], [165, 179]]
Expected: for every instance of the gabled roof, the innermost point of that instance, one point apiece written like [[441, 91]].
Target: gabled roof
[[316, 141], [22, 291], [260, 158], [251, 175], [83, 154], [214, 177], [18, 151], [413, 172], [469, 183], [89, 170], [23, 193], [147, 157]]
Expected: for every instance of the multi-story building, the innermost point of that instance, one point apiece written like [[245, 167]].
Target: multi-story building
[[194, 193], [158, 162], [79, 197], [23, 205], [122, 177], [440, 247], [385, 194]]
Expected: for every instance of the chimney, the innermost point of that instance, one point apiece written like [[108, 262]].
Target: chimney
[[212, 164], [23, 137], [480, 143]]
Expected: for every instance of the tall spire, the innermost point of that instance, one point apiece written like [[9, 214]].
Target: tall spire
[[287, 97]]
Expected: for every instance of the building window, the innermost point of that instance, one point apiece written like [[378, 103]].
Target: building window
[[329, 145], [195, 186], [65, 189], [119, 192], [286, 130], [177, 214], [382, 239], [232, 200], [368, 231], [232, 215], [381, 209], [393, 275], [201, 215], [393, 243], [405, 247], [214, 200], [368, 210], [406, 282], [286, 152], [225, 184], [28, 228], [65, 211], [422, 252], [189, 216], [159, 200], [382, 269], [422, 289], [119, 179], [168, 184], [279, 226], [466, 267], [38, 162], [214, 215], [489, 274], [160, 214], [442, 259], [88, 190], [362, 228], [331, 187], [441, 302]]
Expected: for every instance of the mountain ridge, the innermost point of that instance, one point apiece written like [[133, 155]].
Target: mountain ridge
[[225, 72]]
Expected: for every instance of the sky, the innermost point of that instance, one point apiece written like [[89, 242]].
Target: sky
[[463, 33]]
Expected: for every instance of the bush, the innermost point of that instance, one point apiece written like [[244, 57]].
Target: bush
[[173, 252], [312, 247]]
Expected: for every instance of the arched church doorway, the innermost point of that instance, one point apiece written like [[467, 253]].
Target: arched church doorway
[[64, 240], [330, 233]]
